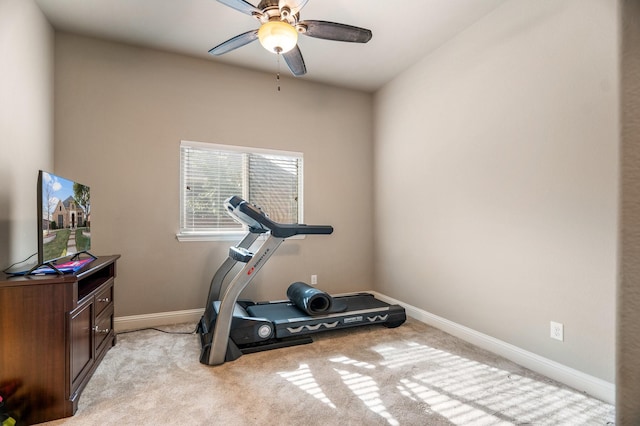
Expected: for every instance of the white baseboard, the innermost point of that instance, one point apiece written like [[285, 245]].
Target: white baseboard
[[578, 380], [593, 386], [135, 322]]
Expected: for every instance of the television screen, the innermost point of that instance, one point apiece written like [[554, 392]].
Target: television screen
[[64, 217]]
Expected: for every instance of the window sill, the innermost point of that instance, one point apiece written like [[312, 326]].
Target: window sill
[[223, 236], [218, 236]]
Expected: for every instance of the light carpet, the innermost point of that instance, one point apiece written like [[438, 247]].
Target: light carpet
[[410, 375]]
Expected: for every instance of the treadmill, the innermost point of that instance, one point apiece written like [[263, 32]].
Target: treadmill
[[230, 327]]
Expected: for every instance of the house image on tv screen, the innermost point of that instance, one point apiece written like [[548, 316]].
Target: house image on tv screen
[[66, 217], [68, 214]]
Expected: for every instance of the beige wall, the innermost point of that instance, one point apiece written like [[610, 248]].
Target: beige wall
[[26, 123], [628, 353], [121, 112], [496, 180]]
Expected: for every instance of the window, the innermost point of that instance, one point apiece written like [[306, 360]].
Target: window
[[212, 173]]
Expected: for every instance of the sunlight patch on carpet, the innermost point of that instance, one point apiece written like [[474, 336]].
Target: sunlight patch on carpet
[[395, 357], [349, 361], [463, 390], [303, 379], [366, 388], [458, 389]]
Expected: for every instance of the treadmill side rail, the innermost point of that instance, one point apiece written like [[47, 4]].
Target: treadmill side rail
[[220, 339]]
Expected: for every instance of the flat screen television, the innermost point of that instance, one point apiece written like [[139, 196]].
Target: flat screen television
[[64, 222]]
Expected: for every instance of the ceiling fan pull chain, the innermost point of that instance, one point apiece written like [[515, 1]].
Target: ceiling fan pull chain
[[278, 73]]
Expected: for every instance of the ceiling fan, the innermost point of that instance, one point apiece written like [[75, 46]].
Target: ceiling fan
[[279, 29]]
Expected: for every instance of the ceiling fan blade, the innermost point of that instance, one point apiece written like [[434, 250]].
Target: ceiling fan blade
[[293, 5], [334, 31], [242, 6], [294, 61], [234, 43]]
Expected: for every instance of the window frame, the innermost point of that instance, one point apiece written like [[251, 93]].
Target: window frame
[[184, 235]]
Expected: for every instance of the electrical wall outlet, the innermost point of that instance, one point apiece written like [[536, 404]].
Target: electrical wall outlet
[[557, 331], [314, 279]]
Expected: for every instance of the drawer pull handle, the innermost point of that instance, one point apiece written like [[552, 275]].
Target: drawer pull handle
[[104, 300], [97, 330]]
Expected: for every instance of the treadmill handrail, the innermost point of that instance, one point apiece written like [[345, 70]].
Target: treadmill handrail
[[258, 222]]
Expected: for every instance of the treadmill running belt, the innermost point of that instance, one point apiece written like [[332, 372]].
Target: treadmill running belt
[[285, 311]]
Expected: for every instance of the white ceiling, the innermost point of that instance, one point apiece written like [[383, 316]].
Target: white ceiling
[[404, 31]]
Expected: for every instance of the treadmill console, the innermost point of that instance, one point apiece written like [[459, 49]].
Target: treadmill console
[[248, 214]]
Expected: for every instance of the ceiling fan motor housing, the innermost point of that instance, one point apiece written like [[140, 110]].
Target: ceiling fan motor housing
[[271, 11]]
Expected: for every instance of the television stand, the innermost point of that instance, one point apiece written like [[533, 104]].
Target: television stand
[[55, 331]]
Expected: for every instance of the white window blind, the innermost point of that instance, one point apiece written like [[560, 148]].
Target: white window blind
[[211, 173]]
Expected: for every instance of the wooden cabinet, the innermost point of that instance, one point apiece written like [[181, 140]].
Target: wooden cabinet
[[54, 331]]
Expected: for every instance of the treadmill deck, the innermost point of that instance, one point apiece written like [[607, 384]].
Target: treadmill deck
[[361, 309]]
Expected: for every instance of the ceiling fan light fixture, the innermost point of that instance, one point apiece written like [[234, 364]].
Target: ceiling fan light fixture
[[278, 36]]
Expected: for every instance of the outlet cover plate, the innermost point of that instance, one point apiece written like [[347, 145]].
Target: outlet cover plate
[[557, 331]]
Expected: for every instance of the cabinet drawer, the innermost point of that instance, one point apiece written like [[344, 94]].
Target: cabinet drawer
[[104, 298], [103, 327]]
